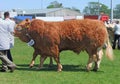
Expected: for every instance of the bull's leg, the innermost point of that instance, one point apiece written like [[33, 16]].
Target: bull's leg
[[42, 59], [90, 60], [89, 64], [33, 59], [98, 59], [51, 62], [58, 64]]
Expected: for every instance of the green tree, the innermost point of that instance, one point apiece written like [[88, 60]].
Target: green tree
[[55, 4], [105, 9], [73, 8], [94, 8], [117, 12]]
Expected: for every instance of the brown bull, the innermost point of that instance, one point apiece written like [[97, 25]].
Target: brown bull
[[53, 37]]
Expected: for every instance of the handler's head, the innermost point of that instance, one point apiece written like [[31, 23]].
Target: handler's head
[[6, 15], [117, 22]]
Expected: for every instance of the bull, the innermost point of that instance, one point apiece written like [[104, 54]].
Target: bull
[[76, 35]]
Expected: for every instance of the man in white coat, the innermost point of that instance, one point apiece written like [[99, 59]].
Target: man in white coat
[[116, 35], [5, 45], [12, 25]]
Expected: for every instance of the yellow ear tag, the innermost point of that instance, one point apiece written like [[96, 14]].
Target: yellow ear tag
[[27, 26]]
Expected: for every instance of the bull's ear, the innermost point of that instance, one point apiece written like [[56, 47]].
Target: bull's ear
[[28, 22]]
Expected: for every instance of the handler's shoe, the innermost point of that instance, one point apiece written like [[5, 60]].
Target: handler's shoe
[[2, 70], [12, 68]]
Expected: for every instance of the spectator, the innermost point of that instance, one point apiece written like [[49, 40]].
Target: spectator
[[116, 35]]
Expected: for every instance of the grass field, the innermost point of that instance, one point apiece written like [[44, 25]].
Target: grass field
[[73, 69]]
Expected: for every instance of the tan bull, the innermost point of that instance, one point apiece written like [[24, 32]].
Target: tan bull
[[77, 35]]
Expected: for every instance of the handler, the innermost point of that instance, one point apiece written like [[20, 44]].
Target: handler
[[5, 45]]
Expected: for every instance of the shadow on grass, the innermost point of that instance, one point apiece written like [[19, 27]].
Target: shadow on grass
[[52, 68], [72, 68]]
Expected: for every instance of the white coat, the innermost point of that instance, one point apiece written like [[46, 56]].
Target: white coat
[[11, 25], [5, 29]]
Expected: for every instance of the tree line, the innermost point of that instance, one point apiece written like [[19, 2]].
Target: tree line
[[93, 8]]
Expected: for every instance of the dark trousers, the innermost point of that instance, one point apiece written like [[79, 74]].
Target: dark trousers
[[5, 61], [116, 37], [9, 55]]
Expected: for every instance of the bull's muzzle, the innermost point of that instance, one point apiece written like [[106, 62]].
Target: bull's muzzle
[[18, 28]]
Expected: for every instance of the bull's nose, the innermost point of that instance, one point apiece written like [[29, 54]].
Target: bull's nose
[[18, 28]]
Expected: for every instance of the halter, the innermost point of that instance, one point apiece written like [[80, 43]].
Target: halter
[[31, 42]]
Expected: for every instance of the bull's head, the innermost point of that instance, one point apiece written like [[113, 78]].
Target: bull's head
[[23, 24], [21, 30]]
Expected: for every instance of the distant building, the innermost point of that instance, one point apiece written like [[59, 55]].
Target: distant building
[[53, 12]]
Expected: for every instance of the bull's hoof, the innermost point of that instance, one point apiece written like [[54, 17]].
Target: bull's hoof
[[95, 70], [87, 70], [50, 65], [39, 68], [59, 70], [30, 66]]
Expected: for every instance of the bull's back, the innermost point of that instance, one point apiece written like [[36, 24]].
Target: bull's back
[[74, 34], [82, 34]]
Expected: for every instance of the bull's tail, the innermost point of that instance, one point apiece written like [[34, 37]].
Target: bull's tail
[[109, 50]]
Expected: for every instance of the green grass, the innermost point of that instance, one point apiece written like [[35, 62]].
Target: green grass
[[73, 69]]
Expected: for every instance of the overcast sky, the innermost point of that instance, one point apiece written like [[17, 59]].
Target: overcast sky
[[37, 4]]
